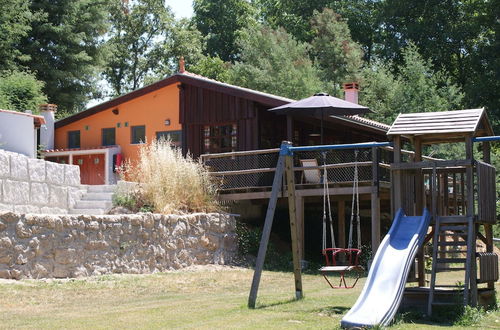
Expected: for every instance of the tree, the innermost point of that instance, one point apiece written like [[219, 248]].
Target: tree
[[21, 91], [221, 21], [136, 43], [212, 67], [273, 61], [416, 87], [64, 48], [15, 20], [339, 58]]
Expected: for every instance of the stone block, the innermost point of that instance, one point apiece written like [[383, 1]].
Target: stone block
[[55, 173], [4, 164], [72, 175], [36, 168], [74, 195], [39, 194], [58, 196], [22, 231], [15, 192], [19, 167], [25, 209], [65, 256]]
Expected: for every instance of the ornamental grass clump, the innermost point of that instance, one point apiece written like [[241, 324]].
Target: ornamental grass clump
[[170, 182]]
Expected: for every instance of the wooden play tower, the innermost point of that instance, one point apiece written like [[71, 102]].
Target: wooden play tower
[[461, 196]]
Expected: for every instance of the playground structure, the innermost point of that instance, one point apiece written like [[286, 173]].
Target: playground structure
[[460, 195]]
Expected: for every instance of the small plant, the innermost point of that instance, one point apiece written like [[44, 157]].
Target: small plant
[[470, 316]]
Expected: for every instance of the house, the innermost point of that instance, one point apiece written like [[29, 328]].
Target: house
[[19, 132], [199, 115]]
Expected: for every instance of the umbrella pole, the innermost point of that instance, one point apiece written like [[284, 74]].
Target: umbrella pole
[[322, 117]]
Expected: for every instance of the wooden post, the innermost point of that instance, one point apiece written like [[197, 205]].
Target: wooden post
[[396, 176], [486, 152], [341, 223], [419, 208], [470, 271], [289, 128], [375, 202], [300, 226], [488, 228], [266, 232], [292, 204]]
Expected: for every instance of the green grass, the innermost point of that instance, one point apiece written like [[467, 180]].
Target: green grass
[[207, 298]]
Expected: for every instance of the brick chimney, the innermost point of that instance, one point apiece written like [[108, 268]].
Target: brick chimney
[[182, 63], [47, 133], [351, 91]]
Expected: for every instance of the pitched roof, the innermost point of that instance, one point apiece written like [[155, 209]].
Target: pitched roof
[[38, 120], [211, 84], [446, 124]]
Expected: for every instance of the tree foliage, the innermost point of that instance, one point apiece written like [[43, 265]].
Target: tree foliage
[[415, 87], [21, 91], [273, 61], [136, 44], [221, 21], [338, 56], [63, 48]]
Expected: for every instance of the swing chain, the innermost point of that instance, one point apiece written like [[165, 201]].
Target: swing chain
[[326, 203]]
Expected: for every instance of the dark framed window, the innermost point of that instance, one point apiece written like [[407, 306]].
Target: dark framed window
[[73, 139], [220, 138], [138, 134], [108, 136], [175, 137]]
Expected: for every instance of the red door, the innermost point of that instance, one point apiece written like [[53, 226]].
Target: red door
[[91, 168]]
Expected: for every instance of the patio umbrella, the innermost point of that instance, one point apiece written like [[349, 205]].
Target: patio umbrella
[[319, 105]]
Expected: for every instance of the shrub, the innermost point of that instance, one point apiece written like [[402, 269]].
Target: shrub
[[170, 182]]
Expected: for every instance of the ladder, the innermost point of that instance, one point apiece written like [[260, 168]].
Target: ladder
[[446, 259]]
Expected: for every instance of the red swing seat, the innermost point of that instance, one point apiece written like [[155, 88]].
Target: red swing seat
[[351, 263]]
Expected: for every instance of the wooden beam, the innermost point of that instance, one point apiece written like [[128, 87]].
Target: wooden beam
[[292, 204], [300, 226], [396, 175], [375, 202], [266, 232]]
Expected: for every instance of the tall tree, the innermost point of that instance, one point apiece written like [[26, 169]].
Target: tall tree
[[415, 87], [338, 56], [15, 24], [64, 48], [221, 21], [273, 61], [136, 43]]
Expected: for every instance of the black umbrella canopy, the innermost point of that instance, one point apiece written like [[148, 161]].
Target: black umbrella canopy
[[321, 104]]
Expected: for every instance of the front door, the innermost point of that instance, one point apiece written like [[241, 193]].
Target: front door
[[91, 168]]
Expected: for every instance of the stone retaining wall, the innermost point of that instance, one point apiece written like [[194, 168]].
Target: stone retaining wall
[[30, 185], [60, 246]]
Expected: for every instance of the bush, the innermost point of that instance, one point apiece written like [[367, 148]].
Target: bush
[[170, 182], [21, 91]]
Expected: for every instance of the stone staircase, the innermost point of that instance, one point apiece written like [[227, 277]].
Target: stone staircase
[[97, 200]]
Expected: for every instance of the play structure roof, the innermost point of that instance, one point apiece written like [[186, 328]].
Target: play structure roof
[[443, 126]]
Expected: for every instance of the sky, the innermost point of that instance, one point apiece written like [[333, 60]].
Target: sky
[[181, 8]]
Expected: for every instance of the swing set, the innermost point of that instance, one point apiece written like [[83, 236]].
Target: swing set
[[341, 260], [337, 260]]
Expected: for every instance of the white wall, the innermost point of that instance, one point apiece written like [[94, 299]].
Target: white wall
[[17, 134]]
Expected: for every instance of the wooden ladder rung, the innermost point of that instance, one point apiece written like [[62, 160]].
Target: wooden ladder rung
[[451, 260], [444, 303], [455, 228], [449, 269], [452, 243], [450, 286]]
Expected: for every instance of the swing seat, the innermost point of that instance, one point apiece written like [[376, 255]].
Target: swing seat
[[332, 257]]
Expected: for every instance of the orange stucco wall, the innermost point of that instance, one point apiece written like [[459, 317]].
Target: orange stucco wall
[[150, 110]]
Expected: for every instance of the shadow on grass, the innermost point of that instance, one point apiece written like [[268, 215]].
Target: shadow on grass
[[331, 310], [277, 303]]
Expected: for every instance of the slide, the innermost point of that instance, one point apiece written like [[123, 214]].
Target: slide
[[385, 284]]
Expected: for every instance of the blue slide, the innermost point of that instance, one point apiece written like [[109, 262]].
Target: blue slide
[[385, 284]]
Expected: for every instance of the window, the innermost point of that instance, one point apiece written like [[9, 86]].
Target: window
[[108, 136], [138, 134], [174, 136], [73, 139], [220, 138]]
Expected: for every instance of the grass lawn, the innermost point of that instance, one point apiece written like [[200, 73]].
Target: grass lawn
[[209, 297]]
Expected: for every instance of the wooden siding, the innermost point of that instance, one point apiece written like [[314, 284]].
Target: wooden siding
[[200, 107]]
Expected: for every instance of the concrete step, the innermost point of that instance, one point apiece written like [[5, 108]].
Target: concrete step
[[87, 211], [101, 188], [97, 196], [93, 204]]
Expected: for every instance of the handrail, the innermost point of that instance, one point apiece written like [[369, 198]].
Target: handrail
[[486, 138], [240, 153], [337, 147]]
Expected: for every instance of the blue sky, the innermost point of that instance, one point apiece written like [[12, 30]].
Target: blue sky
[[181, 8]]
